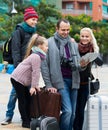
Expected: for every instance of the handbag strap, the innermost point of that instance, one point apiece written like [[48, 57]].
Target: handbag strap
[[89, 80], [96, 71]]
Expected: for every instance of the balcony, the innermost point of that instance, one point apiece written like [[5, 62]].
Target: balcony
[[77, 0], [76, 12], [84, 0], [68, 0], [105, 3], [105, 16]]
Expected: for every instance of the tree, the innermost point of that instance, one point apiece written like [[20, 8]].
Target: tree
[[48, 16]]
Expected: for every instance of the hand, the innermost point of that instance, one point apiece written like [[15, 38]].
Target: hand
[[84, 63], [32, 91], [72, 40], [53, 90], [38, 89]]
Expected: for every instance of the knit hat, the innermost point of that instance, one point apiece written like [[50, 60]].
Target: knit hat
[[30, 13]]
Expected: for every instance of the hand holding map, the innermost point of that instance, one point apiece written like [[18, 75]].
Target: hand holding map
[[91, 56], [87, 58]]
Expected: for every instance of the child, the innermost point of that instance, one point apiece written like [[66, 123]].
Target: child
[[27, 74], [20, 38]]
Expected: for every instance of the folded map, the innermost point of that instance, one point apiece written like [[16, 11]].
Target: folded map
[[91, 56]]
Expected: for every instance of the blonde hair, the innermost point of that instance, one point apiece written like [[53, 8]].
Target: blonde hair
[[93, 40], [35, 40]]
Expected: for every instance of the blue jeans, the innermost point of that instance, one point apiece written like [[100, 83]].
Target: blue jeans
[[68, 108], [11, 103], [83, 93]]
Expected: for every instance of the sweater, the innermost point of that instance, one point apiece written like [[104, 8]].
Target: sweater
[[28, 71]]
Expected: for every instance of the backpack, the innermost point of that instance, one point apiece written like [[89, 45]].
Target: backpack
[[7, 52]]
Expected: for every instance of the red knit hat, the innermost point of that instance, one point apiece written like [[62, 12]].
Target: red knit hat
[[30, 13]]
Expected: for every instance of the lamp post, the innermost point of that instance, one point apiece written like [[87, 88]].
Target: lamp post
[[14, 11]]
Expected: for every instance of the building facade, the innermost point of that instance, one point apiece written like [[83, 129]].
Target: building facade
[[97, 9], [57, 3], [105, 10]]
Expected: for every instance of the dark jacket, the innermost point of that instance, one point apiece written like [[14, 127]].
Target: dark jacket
[[84, 75], [19, 44]]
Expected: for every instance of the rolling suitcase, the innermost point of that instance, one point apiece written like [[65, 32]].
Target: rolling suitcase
[[49, 104], [97, 112], [44, 123]]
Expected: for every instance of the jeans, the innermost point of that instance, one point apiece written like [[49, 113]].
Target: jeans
[[68, 107], [83, 93], [11, 103]]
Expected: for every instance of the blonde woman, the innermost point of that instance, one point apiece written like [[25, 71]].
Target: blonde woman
[[87, 44], [27, 74]]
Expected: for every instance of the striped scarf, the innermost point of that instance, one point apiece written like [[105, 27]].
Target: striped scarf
[[39, 51]]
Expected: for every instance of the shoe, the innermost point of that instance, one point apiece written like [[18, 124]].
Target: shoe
[[6, 121], [26, 124]]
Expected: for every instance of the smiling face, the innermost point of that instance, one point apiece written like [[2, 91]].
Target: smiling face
[[85, 37], [32, 21], [63, 29]]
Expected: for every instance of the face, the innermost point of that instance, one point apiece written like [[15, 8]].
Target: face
[[64, 29], [32, 22], [85, 37], [44, 46]]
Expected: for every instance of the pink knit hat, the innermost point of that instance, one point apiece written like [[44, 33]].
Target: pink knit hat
[[30, 13]]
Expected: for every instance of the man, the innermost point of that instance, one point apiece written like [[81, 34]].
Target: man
[[19, 44], [60, 71]]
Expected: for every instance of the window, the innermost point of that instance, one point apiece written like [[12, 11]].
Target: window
[[69, 6], [107, 10]]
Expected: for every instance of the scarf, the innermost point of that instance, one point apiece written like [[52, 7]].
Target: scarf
[[28, 28], [84, 48], [39, 51], [61, 44]]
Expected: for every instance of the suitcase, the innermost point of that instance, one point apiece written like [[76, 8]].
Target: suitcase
[[97, 112], [44, 123], [49, 104]]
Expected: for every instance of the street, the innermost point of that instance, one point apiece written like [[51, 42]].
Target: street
[[5, 87]]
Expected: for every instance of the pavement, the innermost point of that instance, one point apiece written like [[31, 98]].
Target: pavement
[[5, 87]]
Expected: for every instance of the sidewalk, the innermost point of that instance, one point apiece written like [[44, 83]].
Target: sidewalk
[[5, 88]]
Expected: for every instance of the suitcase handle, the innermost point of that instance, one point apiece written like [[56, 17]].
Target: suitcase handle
[[44, 89], [89, 79]]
